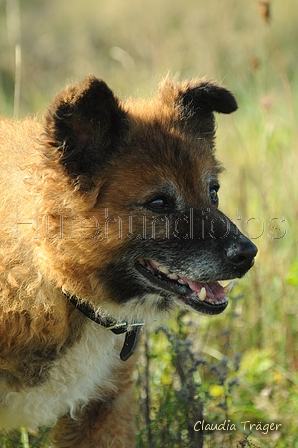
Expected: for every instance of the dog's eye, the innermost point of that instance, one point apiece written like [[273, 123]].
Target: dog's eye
[[214, 195], [159, 205]]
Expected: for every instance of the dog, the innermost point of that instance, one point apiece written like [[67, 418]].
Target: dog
[[109, 219]]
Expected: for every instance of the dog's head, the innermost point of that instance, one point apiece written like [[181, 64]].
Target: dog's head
[[139, 181]]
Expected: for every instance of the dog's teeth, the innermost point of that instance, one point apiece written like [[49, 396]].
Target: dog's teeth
[[182, 282], [154, 264], [202, 294], [173, 276], [163, 269], [229, 287]]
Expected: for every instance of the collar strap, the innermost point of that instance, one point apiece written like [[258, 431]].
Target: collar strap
[[132, 330]]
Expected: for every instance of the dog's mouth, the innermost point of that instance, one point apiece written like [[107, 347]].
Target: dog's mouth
[[203, 297]]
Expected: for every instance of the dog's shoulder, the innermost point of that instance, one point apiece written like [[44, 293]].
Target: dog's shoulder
[[81, 375]]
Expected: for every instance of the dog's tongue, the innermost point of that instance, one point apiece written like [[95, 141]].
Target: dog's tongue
[[215, 293]]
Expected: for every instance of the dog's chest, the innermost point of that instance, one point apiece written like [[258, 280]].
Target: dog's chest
[[81, 375]]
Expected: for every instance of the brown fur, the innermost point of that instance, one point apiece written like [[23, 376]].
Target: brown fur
[[77, 191], [109, 423]]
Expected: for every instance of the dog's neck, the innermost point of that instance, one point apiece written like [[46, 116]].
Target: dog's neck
[[132, 330]]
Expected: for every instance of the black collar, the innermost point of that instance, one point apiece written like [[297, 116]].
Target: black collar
[[132, 330]]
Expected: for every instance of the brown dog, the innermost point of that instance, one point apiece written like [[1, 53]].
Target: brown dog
[[109, 218]]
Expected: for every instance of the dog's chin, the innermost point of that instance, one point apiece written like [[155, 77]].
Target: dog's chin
[[202, 297]]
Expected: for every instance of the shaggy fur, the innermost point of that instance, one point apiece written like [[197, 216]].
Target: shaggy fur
[[111, 203]]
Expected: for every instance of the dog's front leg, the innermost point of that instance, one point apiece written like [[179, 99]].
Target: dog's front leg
[[107, 424]]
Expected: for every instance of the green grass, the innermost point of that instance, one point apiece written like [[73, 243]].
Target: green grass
[[242, 365]]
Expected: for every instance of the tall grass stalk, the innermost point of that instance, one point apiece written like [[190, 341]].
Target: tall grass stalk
[[14, 37]]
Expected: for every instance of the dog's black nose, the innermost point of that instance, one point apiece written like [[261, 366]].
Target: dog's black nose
[[241, 254]]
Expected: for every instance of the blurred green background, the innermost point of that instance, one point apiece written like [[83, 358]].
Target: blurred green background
[[241, 365]]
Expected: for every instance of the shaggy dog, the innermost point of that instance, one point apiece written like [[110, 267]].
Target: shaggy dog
[[109, 218]]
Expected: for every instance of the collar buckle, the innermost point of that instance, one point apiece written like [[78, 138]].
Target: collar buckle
[[132, 330], [121, 327]]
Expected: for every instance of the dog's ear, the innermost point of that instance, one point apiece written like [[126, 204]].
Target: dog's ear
[[82, 126], [196, 102]]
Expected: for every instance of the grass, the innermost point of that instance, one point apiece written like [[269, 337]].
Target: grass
[[240, 366]]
